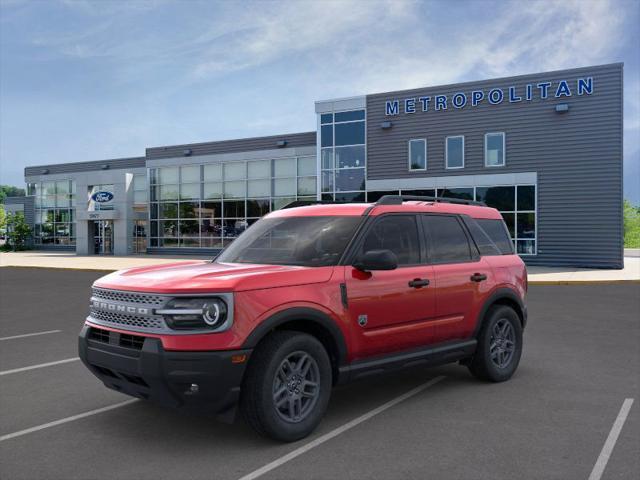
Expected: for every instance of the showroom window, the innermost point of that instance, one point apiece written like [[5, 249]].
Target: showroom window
[[517, 204], [54, 212], [343, 155], [418, 154], [454, 152], [208, 206], [494, 150]]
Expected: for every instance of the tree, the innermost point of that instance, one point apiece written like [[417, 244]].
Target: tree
[[18, 231], [3, 218], [10, 191], [631, 225]]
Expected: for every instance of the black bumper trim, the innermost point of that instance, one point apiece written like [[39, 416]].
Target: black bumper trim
[[165, 377]]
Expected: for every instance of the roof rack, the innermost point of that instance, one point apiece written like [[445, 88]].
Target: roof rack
[[306, 203], [399, 199]]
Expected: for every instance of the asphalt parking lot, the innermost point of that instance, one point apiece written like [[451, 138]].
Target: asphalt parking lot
[[551, 421]]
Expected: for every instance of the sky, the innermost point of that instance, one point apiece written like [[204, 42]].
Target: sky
[[89, 80]]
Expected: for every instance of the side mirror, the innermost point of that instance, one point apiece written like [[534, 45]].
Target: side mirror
[[377, 260]]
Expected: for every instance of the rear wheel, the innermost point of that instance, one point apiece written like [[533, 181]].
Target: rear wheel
[[499, 345], [287, 388]]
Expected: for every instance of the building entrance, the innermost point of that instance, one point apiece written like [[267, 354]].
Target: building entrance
[[103, 237]]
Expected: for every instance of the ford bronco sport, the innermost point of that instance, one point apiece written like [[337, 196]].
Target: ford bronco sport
[[309, 297]]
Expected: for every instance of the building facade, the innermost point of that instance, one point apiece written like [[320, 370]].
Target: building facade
[[545, 149]]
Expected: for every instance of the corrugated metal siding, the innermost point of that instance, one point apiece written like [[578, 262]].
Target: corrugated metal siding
[[231, 146], [577, 156], [114, 164]]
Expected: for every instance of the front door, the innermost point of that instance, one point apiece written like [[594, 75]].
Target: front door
[[391, 310], [103, 237]]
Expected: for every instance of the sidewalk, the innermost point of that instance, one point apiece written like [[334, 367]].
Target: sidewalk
[[69, 260]]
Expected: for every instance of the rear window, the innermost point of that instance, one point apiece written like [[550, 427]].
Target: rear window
[[496, 230]]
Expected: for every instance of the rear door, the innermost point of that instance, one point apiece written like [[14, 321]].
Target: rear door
[[462, 277], [391, 310]]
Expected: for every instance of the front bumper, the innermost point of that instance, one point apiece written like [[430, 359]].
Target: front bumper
[[139, 366]]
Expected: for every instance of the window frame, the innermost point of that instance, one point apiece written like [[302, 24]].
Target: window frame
[[446, 152], [426, 149], [504, 149]]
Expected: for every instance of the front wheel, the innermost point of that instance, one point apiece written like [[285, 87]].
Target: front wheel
[[287, 388], [499, 346]]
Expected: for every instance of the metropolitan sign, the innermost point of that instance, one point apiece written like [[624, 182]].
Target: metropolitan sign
[[493, 96]]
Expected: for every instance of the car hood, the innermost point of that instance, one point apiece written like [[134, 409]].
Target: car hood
[[205, 277]]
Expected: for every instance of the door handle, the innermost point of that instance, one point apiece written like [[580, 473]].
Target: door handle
[[478, 277], [418, 282]]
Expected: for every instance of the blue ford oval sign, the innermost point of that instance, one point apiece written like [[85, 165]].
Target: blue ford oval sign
[[102, 197]]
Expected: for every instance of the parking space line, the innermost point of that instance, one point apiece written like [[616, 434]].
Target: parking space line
[[334, 433], [66, 420], [41, 365], [24, 335], [607, 449]]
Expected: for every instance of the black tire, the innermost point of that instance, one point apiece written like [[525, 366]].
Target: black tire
[[486, 363], [257, 401]]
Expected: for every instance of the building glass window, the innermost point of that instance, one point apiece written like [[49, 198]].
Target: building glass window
[[208, 206], [342, 155], [418, 154], [494, 150], [517, 205], [54, 212], [455, 152]]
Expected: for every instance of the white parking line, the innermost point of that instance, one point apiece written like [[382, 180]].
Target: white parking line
[[607, 449], [29, 335], [66, 420], [334, 433], [41, 365]]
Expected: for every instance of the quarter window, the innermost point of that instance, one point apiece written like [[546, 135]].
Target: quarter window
[[455, 152], [494, 146], [418, 154], [449, 243], [396, 233]]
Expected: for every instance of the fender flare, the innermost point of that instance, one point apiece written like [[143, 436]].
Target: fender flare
[[496, 296], [299, 313]]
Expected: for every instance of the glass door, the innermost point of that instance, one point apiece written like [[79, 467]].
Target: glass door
[[103, 237]]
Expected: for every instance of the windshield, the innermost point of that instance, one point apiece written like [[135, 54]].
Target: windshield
[[304, 241]]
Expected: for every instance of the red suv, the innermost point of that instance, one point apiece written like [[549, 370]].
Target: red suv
[[309, 297]]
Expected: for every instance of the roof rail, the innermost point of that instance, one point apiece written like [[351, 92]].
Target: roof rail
[[399, 199], [306, 203]]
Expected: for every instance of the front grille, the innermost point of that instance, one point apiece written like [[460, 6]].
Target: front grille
[[99, 335], [122, 319], [129, 297], [131, 341]]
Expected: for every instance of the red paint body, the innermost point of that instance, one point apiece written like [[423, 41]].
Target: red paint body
[[399, 317]]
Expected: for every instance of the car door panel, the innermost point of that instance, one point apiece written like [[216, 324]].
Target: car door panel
[[388, 314]]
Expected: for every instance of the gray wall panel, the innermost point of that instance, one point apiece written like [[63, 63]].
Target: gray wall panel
[[231, 146], [577, 155], [113, 164]]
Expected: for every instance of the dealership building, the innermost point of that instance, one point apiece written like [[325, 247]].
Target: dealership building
[[545, 149]]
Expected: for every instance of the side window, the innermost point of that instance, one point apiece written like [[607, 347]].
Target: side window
[[484, 243], [449, 243], [397, 233], [497, 231]]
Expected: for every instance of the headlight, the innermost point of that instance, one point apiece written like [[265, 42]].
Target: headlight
[[194, 313]]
